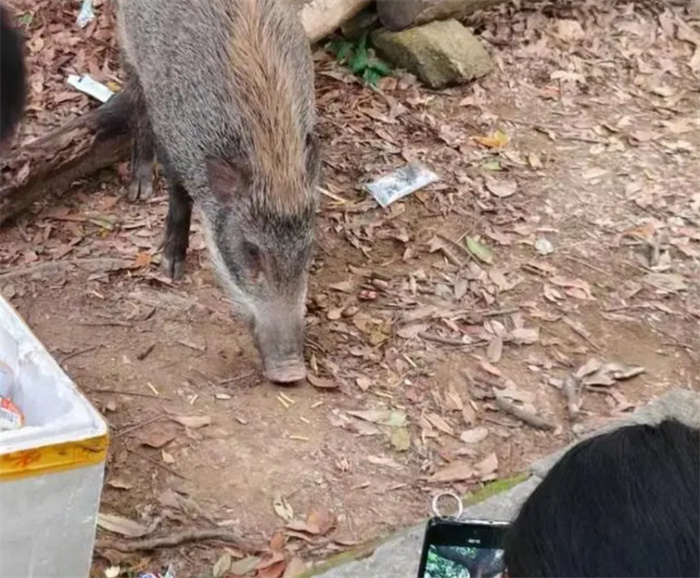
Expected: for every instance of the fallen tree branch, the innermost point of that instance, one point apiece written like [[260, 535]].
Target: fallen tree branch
[[52, 163], [522, 414], [572, 392], [99, 264], [448, 340], [174, 540]]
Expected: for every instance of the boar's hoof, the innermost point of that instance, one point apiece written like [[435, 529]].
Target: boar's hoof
[[141, 185], [173, 267], [286, 374]]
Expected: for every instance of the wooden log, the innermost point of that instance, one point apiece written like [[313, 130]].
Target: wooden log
[[53, 172], [51, 164], [321, 17]]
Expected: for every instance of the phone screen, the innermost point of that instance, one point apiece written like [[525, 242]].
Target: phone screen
[[463, 550]]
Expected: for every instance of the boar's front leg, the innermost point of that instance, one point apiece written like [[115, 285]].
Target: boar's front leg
[[177, 229]]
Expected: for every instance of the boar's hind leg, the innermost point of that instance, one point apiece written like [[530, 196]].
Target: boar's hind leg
[[177, 229], [143, 145]]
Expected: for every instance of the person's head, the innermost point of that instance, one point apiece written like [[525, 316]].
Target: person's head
[[624, 503]]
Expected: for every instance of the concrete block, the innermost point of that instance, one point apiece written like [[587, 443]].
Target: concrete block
[[399, 557]]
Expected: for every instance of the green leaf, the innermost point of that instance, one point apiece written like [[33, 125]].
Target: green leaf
[[401, 439], [362, 41], [479, 250], [26, 19], [358, 62], [371, 77], [341, 49], [381, 67], [344, 51], [491, 164]]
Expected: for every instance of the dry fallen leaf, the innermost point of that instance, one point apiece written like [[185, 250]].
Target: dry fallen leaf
[[498, 140], [591, 366], [384, 461], [474, 435], [479, 250], [244, 566], [576, 288], [668, 282], [169, 499], [122, 526], [320, 382], [120, 484], [453, 401], [193, 421], [143, 259], [607, 374], [495, 350], [274, 570], [569, 30], [282, 508], [525, 335], [222, 565], [468, 414], [487, 467], [439, 423], [455, 472], [488, 368], [320, 520], [363, 383], [381, 416], [501, 188], [400, 439], [295, 567], [156, 437]]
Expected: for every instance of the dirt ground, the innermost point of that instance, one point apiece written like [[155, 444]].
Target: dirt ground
[[565, 229]]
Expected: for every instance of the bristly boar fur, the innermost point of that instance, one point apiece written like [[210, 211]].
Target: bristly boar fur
[[227, 92]]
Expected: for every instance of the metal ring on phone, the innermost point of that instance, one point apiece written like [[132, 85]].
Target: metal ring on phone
[[460, 506]]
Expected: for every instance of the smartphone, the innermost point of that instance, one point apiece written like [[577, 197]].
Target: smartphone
[[463, 549]]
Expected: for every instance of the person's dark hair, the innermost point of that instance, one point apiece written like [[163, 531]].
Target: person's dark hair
[[13, 87], [624, 504]]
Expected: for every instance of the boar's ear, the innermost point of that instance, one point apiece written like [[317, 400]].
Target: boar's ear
[[227, 180]]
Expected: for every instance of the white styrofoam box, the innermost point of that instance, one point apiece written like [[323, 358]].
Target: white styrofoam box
[[52, 469]]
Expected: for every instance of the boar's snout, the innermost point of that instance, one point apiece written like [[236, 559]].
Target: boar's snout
[[280, 340]]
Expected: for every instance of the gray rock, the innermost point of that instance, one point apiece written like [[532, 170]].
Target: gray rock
[[354, 28], [400, 14], [440, 53]]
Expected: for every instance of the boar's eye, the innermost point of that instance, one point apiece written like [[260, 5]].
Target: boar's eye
[[253, 257]]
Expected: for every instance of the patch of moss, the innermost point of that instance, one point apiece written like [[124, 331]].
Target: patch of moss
[[495, 487]]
